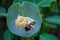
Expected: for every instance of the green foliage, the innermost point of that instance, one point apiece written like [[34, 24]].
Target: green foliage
[[56, 9], [39, 3], [8, 35], [45, 3], [14, 1], [53, 19], [46, 36], [2, 11], [53, 26]]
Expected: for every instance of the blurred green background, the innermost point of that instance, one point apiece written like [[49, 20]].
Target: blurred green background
[[49, 13]]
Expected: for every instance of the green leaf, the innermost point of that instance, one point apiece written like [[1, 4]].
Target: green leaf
[[53, 26], [56, 10], [33, 1], [2, 12], [8, 35], [46, 36], [39, 3], [53, 19], [45, 3], [18, 1]]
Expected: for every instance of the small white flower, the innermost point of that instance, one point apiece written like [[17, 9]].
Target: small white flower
[[21, 18]]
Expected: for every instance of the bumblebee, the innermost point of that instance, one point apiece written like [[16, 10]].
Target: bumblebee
[[25, 22]]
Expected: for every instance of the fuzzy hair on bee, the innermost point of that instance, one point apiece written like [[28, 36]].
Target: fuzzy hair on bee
[[23, 21]]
